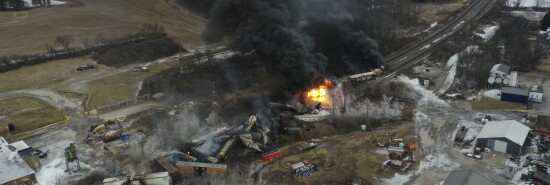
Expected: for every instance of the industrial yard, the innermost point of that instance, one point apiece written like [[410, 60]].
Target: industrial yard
[[273, 92]]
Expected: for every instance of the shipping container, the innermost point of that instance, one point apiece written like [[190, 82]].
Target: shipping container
[[271, 155]]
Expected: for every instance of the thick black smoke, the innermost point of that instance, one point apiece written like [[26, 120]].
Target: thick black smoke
[[284, 33]]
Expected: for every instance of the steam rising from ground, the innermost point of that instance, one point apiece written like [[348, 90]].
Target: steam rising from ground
[[282, 33]]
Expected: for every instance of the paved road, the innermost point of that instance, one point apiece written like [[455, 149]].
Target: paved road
[[407, 58]]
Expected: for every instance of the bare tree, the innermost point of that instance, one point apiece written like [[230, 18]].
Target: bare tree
[[85, 39], [99, 40], [64, 41], [50, 49]]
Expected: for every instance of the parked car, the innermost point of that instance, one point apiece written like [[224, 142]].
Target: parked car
[[85, 67]]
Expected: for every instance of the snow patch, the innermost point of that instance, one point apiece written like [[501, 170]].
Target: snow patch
[[493, 94], [528, 3], [28, 3], [425, 47], [529, 15], [451, 66], [488, 32], [397, 179], [432, 26], [437, 161]]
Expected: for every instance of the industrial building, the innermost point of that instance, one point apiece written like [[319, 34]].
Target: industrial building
[[504, 136], [14, 170], [466, 177], [514, 94]]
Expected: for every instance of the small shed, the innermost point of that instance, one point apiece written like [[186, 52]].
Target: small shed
[[466, 177], [514, 94], [535, 94], [500, 69], [504, 136]]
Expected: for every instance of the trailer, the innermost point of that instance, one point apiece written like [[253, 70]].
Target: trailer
[[226, 148], [161, 178], [200, 168], [169, 167], [268, 156], [306, 145]]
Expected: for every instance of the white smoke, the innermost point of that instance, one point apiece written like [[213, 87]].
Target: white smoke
[[427, 98]]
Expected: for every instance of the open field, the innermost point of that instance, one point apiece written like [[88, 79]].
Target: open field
[[29, 31], [341, 158], [42, 75], [27, 113], [113, 88], [488, 104]]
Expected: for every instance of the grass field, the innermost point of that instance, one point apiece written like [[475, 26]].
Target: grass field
[[113, 88], [27, 113], [42, 75], [29, 31], [488, 103]]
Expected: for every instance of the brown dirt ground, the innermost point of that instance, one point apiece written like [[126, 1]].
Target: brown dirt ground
[[23, 32], [340, 158]]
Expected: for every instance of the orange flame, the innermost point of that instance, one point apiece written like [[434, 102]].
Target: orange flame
[[319, 93]]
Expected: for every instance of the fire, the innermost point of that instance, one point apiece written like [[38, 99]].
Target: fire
[[319, 93]]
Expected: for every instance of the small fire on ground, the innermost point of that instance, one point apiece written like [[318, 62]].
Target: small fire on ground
[[319, 94]]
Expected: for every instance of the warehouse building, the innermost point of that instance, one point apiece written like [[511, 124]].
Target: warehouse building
[[13, 169], [466, 177], [514, 94], [504, 136]]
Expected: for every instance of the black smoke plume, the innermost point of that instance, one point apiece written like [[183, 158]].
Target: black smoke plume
[[284, 33]]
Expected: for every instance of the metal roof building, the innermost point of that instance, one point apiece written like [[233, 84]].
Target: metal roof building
[[503, 136], [466, 177], [500, 69], [13, 169], [514, 94]]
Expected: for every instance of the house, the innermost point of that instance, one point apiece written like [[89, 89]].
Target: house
[[542, 125], [466, 177], [514, 94], [504, 136], [13, 169], [535, 94]]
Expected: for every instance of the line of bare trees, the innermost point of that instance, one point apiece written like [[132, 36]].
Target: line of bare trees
[[64, 49]]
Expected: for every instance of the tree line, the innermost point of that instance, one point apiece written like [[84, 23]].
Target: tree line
[[20, 4], [99, 43]]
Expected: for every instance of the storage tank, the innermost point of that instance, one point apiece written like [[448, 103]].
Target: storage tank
[[491, 80], [506, 81], [498, 80]]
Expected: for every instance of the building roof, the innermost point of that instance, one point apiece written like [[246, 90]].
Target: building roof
[[536, 88], [542, 176], [203, 165], [515, 90], [11, 165], [466, 177], [510, 129], [160, 178], [500, 68], [513, 79]]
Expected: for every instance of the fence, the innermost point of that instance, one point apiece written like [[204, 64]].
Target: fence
[[124, 103]]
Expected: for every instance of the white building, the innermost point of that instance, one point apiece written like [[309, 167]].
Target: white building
[[504, 136], [500, 75], [13, 169], [535, 94]]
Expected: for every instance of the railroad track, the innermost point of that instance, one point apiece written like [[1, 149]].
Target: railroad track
[[407, 58]]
